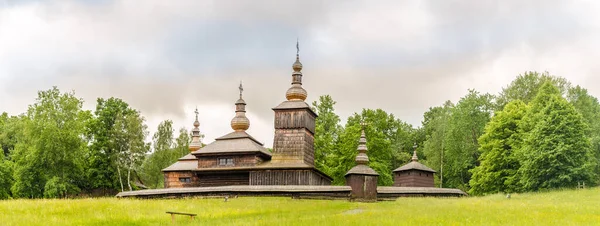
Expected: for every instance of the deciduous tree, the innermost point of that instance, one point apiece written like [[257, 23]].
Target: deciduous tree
[[327, 133], [556, 151], [51, 155], [465, 125], [499, 144]]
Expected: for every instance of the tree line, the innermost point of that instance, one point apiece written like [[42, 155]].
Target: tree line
[[56, 149], [539, 132]]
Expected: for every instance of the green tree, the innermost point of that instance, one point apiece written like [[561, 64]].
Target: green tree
[[54, 146], [589, 108], [11, 129], [526, 86], [129, 133], [499, 162], [383, 140], [104, 149], [161, 157], [326, 133], [6, 178], [182, 143], [556, 151], [435, 125], [465, 125]]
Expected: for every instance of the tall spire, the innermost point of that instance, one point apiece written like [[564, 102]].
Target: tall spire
[[195, 144], [240, 122], [296, 92], [414, 157], [362, 158]]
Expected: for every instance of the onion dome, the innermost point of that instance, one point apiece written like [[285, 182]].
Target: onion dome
[[195, 144], [296, 92], [240, 122]]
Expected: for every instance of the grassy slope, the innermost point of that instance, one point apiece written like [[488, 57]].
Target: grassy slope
[[572, 207]]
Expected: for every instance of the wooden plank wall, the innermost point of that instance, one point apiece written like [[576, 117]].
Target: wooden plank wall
[[238, 160], [223, 179], [172, 179], [293, 145], [294, 118], [364, 187], [294, 136], [287, 177], [416, 178]]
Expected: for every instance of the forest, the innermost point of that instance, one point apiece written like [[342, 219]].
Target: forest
[[539, 133]]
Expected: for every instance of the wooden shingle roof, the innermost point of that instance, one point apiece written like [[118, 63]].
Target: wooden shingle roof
[[414, 166], [234, 142]]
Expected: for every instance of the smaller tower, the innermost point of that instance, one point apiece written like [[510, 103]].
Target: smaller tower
[[414, 174], [195, 144], [240, 122], [361, 178]]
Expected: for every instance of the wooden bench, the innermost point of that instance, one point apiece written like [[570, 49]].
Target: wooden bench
[[192, 215]]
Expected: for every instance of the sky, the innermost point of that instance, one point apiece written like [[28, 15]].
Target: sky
[[165, 58]]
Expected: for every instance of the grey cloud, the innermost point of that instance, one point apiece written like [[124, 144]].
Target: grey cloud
[[401, 56]]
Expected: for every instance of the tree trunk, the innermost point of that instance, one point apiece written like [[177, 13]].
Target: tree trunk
[[442, 156], [129, 178], [120, 180], [442, 165]]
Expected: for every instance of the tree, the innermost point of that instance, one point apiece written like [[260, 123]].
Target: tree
[[465, 125], [327, 129], [182, 143], [161, 157], [383, 139], [589, 108], [53, 148], [103, 155], [435, 125], [11, 129], [163, 138], [6, 178], [526, 86], [499, 162], [130, 133], [556, 151]]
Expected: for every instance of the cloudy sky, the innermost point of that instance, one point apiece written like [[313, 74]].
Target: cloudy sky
[[166, 57]]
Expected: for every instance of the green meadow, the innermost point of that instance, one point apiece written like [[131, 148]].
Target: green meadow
[[568, 207]]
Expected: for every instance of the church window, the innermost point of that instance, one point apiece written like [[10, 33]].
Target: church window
[[185, 179], [225, 161]]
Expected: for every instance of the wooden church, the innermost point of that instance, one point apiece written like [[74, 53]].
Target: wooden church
[[237, 158], [238, 164]]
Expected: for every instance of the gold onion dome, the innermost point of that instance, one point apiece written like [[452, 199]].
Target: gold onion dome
[[240, 122], [296, 92]]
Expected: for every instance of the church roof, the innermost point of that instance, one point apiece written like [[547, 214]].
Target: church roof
[[234, 142], [183, 164], [294, 104], [362, 170], [188, 157], [414, 166]]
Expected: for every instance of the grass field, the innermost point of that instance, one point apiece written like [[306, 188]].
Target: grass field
[[570, 207]]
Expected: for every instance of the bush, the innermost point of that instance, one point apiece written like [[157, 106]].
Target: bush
[[58, 188]]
